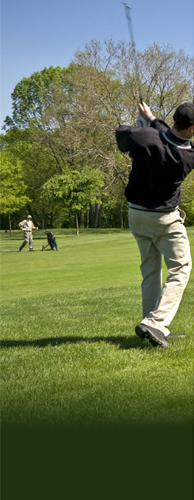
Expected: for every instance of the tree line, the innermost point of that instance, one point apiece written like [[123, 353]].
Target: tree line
[[59, 158]]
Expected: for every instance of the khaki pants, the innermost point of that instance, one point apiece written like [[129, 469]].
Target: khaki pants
[[160, 234], [28, 238]]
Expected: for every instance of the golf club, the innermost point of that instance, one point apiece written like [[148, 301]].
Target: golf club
[[141, 122], [129, 22]]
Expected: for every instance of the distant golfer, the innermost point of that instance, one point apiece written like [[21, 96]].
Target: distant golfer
[[27, 226], [162, 158]]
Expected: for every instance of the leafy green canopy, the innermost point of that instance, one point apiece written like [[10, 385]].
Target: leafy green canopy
[[64, 119], [78, 189], [31, 96], [12, 186]]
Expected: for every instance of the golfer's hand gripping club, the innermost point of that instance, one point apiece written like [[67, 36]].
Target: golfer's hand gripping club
[[145, 113]]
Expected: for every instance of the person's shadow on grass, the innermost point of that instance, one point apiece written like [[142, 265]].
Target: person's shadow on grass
[[121, 342]]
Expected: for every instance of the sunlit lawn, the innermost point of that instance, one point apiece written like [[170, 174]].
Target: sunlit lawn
[[70, 357]]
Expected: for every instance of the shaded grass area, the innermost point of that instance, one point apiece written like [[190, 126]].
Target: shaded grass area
[[70, 358]]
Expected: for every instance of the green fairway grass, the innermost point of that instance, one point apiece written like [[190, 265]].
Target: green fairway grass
[[70, 357]]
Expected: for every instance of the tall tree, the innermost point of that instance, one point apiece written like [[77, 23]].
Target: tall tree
[[32, 97], [12, 196], [76, 189]]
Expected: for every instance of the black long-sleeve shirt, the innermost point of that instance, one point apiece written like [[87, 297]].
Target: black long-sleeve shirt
[[161, 161]]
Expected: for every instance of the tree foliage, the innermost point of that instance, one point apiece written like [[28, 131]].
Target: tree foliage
[[64, 119], [78, 189], [12, 186]]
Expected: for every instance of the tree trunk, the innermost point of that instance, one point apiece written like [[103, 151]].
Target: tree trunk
[[87, 219], [77, 224], [82, 219], [51, 220], [96, 215], [43, 220], [91, 215], [9, 215], [99, 215]]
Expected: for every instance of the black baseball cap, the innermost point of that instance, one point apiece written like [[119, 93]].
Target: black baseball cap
[[184, 114]]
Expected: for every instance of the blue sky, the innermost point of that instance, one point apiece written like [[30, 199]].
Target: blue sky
[[39, 33]]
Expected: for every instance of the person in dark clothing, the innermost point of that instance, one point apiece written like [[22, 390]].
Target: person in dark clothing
[[51, 239], [161, 159]]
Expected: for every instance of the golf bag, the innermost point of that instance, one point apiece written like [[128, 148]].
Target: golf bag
[[51, 240]]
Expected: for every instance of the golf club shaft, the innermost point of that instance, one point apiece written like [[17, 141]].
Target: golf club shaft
[[129, 22]]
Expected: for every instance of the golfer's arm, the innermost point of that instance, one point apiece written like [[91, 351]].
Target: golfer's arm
[[159, 125]]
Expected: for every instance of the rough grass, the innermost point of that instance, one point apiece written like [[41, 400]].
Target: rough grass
[[70, 358]]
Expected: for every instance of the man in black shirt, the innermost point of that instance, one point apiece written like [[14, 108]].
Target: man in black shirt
[[162, 158]]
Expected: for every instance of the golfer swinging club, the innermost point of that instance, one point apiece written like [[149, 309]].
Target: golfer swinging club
[[161, 159]]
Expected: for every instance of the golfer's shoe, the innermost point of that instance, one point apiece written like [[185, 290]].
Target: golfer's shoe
[[155, 336], [174, 335], [20, 249]]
